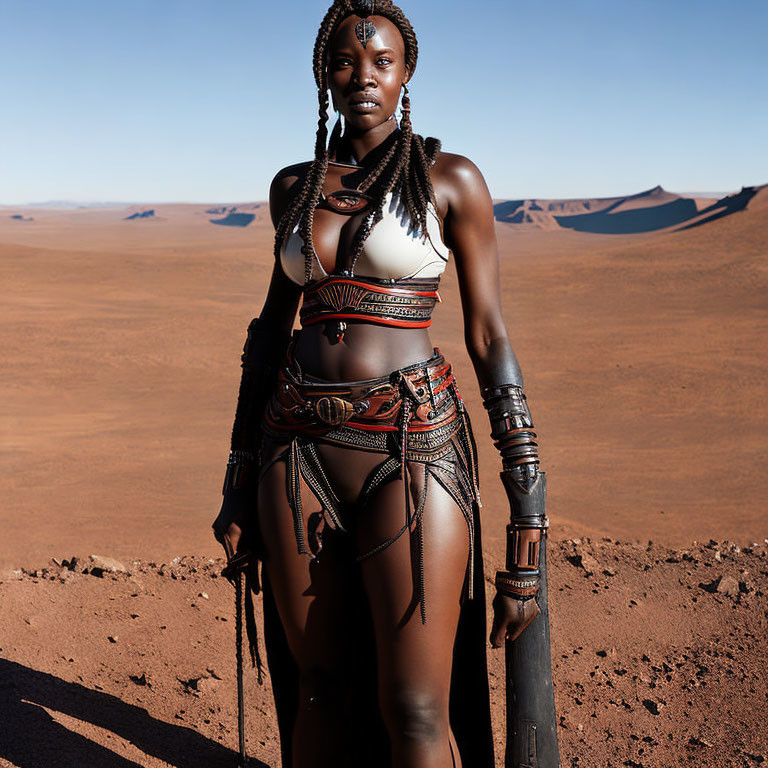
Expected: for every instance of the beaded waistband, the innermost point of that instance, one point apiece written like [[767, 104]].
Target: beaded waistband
[[400, 303]]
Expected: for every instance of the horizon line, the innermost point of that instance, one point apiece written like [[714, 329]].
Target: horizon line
[[73, 204]]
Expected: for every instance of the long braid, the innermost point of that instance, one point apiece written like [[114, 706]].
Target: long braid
[[312, 183], [316, 178], [405, 167], [390, 180], [405, 184]]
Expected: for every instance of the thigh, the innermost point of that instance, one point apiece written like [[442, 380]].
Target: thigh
[[414, 658], [311, 595]]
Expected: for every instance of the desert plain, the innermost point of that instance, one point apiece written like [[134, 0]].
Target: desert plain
[[641, 323]]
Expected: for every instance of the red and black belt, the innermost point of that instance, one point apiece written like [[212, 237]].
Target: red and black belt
[[374, 405]]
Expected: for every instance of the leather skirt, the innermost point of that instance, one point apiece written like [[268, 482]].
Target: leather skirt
[[414, 415]]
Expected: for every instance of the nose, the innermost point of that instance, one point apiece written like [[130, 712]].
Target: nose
[[363, 76]]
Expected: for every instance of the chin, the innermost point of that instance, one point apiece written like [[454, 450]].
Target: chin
[[365, 122]]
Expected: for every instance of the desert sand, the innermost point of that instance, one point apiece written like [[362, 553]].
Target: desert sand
[[644, 357]]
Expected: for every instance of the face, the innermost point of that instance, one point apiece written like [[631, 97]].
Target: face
[[366, 81]]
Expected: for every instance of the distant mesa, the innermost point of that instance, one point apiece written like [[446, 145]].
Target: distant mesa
[[223, 210], [140, 215], [234, 219], [647, 211], [20, 217], [506, 211]]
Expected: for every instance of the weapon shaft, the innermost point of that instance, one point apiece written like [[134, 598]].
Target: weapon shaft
[[531, 722]]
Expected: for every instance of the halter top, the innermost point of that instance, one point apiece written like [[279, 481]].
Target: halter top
[[394, 250]]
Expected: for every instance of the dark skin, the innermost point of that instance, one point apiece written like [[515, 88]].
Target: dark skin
[[414, 660]]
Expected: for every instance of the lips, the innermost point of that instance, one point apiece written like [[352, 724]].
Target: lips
[[363, 102]]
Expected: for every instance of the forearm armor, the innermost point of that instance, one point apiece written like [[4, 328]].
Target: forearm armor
[[513, 434], [262, 354]]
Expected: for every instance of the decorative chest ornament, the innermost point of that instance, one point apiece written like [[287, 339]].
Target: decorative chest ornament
[[348, 201]]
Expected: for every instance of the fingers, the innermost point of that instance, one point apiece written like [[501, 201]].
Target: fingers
[[499, 628], [226, 542], [498, 632], [510, 618], [233, 540]]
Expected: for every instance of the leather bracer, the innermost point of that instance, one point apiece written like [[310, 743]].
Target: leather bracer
[[262, 354], [513, 434]]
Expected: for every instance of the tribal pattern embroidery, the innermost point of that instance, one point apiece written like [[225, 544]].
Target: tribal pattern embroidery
[[343, 299], [338, 296]]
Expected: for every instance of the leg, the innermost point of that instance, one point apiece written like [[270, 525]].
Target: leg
[[415, 659], [310, 598]]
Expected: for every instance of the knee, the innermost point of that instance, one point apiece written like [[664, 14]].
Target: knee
[[415, 716]]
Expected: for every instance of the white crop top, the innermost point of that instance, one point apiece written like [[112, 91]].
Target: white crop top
[[393, 249]]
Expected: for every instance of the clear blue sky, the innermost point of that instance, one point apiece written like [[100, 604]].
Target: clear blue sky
[[199, 101]]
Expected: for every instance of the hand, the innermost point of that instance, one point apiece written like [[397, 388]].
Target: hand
[[233, 527], [511, 617]]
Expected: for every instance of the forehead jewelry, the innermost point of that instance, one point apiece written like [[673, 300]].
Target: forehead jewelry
[[364, 29]]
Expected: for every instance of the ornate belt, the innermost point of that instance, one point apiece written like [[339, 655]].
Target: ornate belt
[[422, 394], [399, 303]]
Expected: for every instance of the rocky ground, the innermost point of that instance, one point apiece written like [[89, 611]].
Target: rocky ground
[[659, 660]]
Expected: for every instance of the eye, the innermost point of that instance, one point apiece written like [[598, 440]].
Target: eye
[[383, 61], [341, 61]]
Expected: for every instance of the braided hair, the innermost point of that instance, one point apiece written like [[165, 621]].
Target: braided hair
[[403, 168]]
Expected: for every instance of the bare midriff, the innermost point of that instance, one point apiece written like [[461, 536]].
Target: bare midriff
[[367, 351]]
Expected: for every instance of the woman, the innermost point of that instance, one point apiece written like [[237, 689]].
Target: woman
[[355, 439]]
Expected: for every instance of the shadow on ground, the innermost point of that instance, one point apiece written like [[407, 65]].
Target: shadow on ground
[[235, 220], [725, 207], [628, 222], [31, 738]]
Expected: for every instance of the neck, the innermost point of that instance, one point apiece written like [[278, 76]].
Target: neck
[[356, 144]]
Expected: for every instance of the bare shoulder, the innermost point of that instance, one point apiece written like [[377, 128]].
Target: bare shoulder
[[289, 175], [457, 181], [283, 188]]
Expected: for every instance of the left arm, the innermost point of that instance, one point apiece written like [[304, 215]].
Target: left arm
[[470, 233]]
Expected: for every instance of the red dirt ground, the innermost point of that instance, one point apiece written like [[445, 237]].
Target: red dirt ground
[[644, 358]]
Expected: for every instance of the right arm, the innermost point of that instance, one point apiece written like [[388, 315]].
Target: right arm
[[283, 296], [267, 339]]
